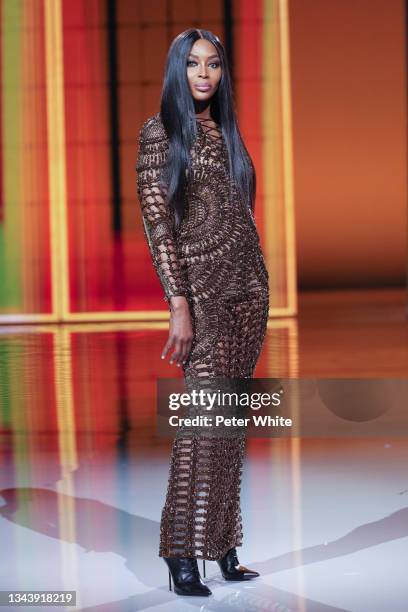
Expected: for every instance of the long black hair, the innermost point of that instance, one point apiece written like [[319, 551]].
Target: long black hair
[[177, 114]]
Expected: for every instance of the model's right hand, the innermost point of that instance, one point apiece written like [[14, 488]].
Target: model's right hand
[[180, 331]]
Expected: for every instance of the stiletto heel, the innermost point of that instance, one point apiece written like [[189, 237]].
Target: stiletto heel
[[231, 569], [204, 568], [186, 577]]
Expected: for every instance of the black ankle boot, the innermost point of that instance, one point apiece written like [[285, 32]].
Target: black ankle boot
[[186, 577], [231, 569]]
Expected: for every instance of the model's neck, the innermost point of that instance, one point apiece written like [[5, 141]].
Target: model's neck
[[202, 109]]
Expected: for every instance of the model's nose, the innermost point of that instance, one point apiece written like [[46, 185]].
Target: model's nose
[[203, 72]]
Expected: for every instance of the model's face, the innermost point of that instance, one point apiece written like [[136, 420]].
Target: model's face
[[203, 70]]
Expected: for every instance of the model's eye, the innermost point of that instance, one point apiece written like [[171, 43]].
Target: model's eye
[[215, 65], [191, 63]]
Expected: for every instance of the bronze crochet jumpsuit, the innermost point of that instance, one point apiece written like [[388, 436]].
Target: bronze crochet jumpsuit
[[215, 260]]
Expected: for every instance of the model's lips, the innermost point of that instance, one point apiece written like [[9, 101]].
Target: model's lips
[[203, 87]]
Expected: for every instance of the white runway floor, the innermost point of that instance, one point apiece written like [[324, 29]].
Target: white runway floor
[[83, 475], [326, 525]]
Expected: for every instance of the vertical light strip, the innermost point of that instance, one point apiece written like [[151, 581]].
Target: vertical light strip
[[268, 139], [296, 462], [287, 154], [296, 459], [56, 156], [278, 187], [59, 273], [277, 157], [68, 456]]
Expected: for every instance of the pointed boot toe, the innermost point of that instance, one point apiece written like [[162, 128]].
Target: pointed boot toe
[[231, 569]]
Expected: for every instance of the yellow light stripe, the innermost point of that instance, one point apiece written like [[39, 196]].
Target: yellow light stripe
[[80, 327], [137, 315], [277, 157], [285, 323], [295, 444], [68, 456], [278, 189], [268, 114], [288, 156], [59, 274], [56, 156]]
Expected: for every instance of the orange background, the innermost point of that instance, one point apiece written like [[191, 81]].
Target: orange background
[[349, 137], [72, 245]]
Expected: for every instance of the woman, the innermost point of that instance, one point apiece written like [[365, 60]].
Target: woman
[[196, 186]]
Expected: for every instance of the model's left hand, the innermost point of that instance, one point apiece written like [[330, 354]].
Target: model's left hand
[[180, 331]]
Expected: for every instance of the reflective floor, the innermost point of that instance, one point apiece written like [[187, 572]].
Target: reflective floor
[[83, 473]]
